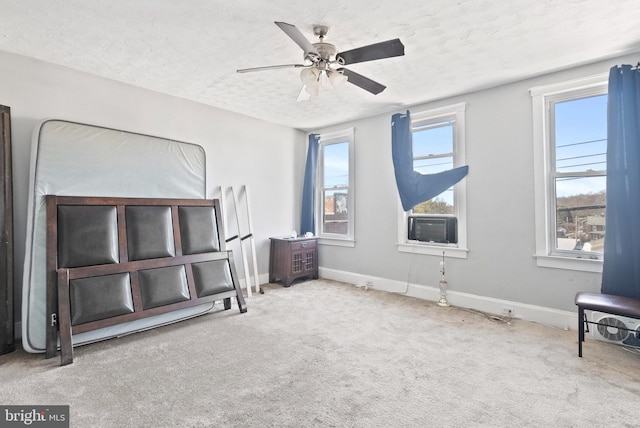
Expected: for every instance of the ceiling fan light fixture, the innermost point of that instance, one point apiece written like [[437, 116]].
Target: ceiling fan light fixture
[[337, 79], [310, 76], [311, 79]]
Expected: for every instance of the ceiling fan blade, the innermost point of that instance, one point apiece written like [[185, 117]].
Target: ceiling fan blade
[[295, 35], [363, 82], [381, 50], [270, 67]]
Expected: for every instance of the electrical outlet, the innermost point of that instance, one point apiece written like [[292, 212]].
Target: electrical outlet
[[507, 311]]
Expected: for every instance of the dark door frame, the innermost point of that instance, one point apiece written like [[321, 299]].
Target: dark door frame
[[7, 322]]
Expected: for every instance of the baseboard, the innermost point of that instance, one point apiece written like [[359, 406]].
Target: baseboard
[[540, 314]]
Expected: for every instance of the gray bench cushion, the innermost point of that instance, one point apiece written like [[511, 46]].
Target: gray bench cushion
[[608, 303]]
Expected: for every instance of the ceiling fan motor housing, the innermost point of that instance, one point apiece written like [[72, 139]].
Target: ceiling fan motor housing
[[326, 50]]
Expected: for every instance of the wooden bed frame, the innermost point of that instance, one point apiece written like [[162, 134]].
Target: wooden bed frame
[[114, 260]]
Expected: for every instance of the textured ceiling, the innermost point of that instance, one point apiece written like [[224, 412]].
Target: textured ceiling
[[191, 48]]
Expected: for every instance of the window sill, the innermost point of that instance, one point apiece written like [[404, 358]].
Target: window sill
[[336, 242], [433, 249], [570, 263]]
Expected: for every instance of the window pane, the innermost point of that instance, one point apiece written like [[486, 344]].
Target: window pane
[[441, 204], [433, 141], [336, 218], [433, 153], [336, 165], [335, 190], [581, 134], [433, 165], [580, 206]]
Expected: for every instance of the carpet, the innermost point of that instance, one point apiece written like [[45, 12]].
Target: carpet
[[326, 354]]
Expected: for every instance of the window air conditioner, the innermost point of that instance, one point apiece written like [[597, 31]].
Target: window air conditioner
[[433, 229]]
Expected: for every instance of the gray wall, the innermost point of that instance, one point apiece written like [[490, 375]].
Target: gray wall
[[500, 263], [500, 204], [239, 150]]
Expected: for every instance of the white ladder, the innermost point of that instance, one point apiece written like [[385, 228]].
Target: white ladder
[[242, 236]]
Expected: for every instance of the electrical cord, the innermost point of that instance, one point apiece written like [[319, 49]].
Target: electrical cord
[[631, 350], [490, 317], [413, 259]]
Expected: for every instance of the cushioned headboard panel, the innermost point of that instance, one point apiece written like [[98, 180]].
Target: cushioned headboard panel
[[196, 227], [212, 277], [149, 233], [94, 299], [87, 236], [163, 286], [75, 159]]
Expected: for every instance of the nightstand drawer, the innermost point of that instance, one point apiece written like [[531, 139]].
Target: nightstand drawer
[[304, 245]]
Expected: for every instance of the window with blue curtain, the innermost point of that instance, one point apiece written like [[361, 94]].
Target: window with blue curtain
[[335, 188], [570, 165], [621, 266], [413, 186]]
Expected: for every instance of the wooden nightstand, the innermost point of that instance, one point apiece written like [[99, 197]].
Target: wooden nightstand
[[291, 259]]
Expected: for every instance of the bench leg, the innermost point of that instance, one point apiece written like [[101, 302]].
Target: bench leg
[[580, 329]]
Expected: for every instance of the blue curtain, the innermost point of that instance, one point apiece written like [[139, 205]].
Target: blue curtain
[[307, 221], [621, 268], [413, 186]]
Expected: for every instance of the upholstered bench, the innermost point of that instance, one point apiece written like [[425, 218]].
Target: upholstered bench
[[606, 303]]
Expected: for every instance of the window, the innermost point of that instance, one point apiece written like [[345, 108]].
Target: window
[[570, 147], [438, 145], [432, 153], [335, 189]]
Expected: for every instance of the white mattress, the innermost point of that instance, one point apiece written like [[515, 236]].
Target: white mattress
[[75, 159]]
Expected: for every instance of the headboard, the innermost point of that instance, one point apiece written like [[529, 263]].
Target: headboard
[[76, 159], [114, 260]]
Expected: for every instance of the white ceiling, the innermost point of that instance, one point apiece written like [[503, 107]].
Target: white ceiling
[[191, 48]]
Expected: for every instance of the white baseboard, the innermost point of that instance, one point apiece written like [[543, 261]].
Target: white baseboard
[[540, 314]]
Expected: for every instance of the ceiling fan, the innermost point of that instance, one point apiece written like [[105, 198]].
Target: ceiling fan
[[323, 58]]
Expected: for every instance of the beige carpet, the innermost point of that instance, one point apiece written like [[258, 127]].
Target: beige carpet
[[325, 354]]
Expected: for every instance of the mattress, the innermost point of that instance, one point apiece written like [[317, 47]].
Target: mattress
[[75, 159]]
